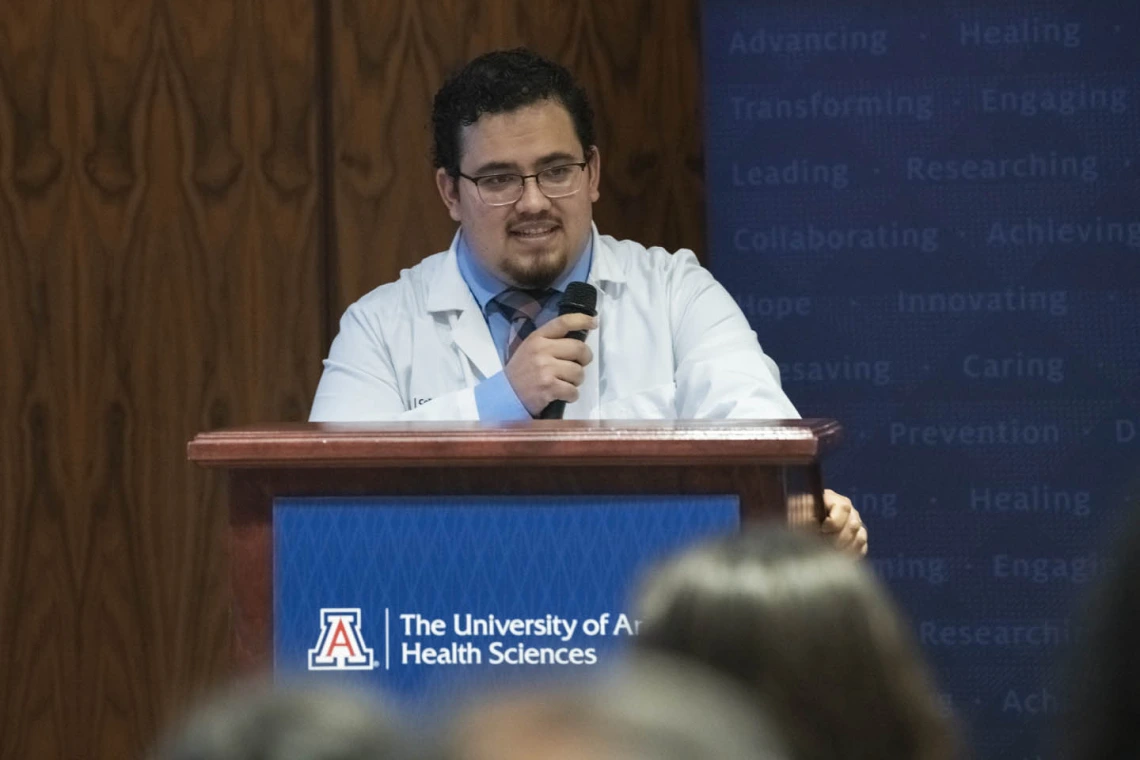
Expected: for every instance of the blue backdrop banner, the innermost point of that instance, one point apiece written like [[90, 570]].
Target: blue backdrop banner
[[931, 215], [427, 597]]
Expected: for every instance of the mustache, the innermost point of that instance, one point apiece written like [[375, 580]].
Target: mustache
[[539, 219]]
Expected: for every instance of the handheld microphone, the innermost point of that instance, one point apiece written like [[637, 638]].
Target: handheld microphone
[[579, 298]]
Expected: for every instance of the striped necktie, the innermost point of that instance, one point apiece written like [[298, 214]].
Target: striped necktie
[[521, 308]]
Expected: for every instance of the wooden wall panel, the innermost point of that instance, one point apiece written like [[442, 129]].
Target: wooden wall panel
[[167, 234], [159, 275], [638, 59]]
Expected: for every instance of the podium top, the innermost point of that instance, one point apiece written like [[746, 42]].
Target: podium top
[[536, 443]]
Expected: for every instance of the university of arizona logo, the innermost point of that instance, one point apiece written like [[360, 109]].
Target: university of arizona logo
[[341, 645]]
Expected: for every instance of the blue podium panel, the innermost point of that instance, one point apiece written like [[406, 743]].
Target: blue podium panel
[[426, 597]]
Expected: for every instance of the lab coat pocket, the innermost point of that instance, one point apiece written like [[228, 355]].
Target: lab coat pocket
[[656, 403]]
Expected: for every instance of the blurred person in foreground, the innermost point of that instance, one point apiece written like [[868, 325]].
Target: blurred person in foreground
[[652, 708], [812, 634], [474, 332], [257, 721], [1104, 670]]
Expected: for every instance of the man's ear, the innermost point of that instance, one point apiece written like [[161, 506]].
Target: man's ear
[[448, 187], [595, 169]]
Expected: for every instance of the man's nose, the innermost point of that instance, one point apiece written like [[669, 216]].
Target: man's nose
[[532, 198]]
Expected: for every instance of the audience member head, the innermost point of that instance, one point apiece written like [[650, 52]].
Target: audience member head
[[260, 722], [1104, 681], [811, 632], [653, 708]]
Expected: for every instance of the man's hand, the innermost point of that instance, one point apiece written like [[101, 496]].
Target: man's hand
[[548, 366], [843, 524]]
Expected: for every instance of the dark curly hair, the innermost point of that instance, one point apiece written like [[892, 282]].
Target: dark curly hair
[[498, 82]]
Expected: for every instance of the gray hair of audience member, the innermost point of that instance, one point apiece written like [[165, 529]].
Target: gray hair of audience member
[[811, 632], [1104, 667], [257, 721], [651, 708]]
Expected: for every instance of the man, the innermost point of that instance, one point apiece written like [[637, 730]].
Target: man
[[472, 333]]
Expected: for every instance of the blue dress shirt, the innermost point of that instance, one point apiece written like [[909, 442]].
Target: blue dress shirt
[[495, 399]]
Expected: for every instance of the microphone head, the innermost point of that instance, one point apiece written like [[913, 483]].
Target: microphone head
[[579, 298]]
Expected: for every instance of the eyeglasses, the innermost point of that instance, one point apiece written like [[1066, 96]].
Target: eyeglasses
[[505, 189]]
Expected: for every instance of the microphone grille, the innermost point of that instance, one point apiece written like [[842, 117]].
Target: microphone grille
[[580, 297]]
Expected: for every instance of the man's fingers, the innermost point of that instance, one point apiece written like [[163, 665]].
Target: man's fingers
[[839, 511], [853, 537], [556, 376], [843, 523], [570, 372], [564, 391], [571, 350], [855, 543], [559, 326], [548, 366]]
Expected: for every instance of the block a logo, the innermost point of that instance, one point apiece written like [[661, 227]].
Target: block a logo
[[341, 645]]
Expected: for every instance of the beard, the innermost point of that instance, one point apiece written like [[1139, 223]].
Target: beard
[[535, 271]]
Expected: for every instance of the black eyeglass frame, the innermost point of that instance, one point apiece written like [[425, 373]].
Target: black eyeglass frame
[[522, 182]]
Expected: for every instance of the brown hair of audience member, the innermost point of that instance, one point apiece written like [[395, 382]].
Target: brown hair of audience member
[[1104, 669], [257, 721], [652, 708], [812, 632]]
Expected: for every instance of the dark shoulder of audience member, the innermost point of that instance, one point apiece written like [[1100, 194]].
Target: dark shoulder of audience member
[[651, 708], [813, 634], [1104, 668], [263, 722]]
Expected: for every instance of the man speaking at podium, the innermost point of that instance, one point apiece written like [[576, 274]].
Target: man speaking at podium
[[474, 332]]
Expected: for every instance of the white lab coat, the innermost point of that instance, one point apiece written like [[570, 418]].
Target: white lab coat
[[671, 344]]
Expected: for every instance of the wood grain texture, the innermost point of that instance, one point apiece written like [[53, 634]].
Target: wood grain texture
[[162, 273], [638, 59], [542, 443], [160, 276]]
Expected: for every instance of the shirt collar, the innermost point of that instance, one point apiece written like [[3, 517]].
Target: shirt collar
[[484, 286]]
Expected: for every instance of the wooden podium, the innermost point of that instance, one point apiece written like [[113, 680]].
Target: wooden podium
[[763, 463]]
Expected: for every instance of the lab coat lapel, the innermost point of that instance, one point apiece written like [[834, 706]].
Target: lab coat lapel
[[473, 338], [469, 331], [607, 277]]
